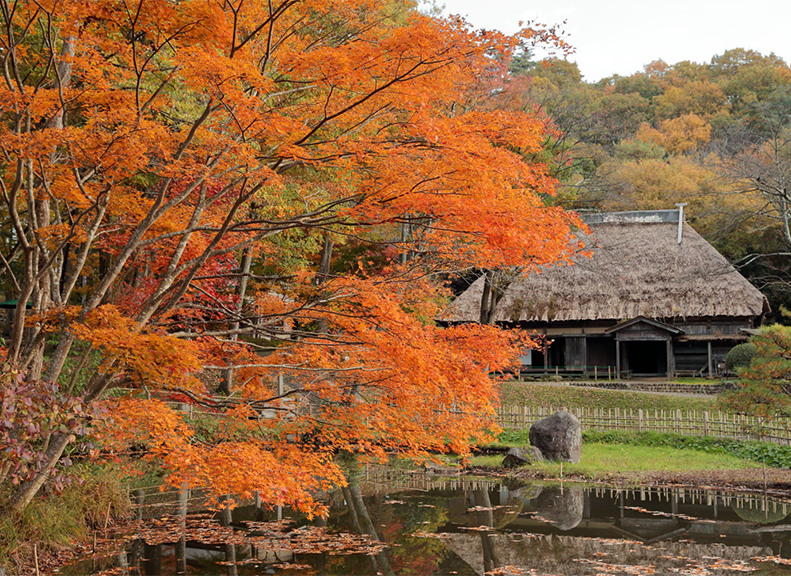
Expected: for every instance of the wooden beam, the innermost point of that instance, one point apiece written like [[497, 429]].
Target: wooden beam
[[670, 358]]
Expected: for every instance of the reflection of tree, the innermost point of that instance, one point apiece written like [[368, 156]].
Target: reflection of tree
[[485, 516], [362, 520], [395, 523], [181, 545], [230, 549], [153, 559]]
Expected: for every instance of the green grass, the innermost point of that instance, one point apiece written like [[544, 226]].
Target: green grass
[[696, 381], [773, 455], [598, 460], [527, 394], [55, 520]]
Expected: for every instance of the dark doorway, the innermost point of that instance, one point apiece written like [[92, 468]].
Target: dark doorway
[[646, 357], [601, 353]]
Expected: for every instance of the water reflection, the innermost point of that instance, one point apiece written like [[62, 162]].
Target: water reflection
[[466, 527]]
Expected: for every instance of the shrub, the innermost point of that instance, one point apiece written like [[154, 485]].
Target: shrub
[[740, 356]]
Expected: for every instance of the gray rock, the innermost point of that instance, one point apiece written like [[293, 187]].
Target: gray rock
[[558, 437], [560, 507], [516, 458], [522, 457]]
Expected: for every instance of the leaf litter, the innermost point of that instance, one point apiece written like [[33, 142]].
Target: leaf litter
[[281, 535]]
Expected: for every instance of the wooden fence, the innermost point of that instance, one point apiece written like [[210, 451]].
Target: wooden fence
[[687, 422]]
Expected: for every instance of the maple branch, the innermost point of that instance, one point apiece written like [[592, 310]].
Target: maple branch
[[406, 76], [272, 17], [10, 272], [297, 367]]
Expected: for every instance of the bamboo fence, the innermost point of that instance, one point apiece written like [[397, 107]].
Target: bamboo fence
[[686, 422]]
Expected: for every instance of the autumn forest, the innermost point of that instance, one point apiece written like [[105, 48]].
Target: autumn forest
[[715, 135], [258, 209]]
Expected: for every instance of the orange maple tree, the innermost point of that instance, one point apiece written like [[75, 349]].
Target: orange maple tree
[[260, 198]]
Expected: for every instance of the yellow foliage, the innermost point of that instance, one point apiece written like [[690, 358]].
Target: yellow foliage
[[677, 135]]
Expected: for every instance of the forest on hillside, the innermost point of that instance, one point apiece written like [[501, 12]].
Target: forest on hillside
[[716, 135]]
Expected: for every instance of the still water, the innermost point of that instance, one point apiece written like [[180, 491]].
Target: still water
[[396, 523]]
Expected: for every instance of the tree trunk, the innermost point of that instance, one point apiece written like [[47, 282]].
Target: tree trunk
[[227, 384], [324, 274], [494, 285], [492, 294], [326, 260], [29, 489]]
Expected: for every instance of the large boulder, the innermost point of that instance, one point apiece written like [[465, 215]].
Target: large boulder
[[558, 437]]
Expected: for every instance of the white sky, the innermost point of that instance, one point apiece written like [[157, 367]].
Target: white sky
[[621, 36]]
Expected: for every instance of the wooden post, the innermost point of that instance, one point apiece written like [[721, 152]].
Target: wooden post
[[670, 367], [711, 372], [546, 353], [706, 423], [596, 373], [617, 359], [640, 420]]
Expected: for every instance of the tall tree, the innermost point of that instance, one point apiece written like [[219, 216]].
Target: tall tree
[[172, 171]]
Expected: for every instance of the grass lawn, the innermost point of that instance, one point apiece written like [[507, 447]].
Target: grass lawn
[[529, 394], [600, 459]]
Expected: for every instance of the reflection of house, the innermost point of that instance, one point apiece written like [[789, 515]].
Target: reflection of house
[[653, 299], [608, 523]]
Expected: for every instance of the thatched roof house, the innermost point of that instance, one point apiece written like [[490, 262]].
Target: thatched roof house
[[641, 287]]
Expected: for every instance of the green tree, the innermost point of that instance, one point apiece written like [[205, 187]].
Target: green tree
[[765, 385]]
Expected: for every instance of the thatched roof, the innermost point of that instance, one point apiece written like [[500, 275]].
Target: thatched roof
[[636, 269]]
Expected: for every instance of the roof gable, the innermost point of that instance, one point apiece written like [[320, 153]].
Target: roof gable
[[640, 322]]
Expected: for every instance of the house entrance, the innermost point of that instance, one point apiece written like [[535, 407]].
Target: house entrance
[[646, 357]]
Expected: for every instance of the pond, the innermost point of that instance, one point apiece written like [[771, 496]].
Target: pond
[[397, 523]]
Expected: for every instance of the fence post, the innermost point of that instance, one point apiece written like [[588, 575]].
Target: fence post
[[640, 420], [706, 423]]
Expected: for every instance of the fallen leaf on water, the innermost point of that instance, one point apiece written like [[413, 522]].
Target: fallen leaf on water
[[510, 571], [775, 559]]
